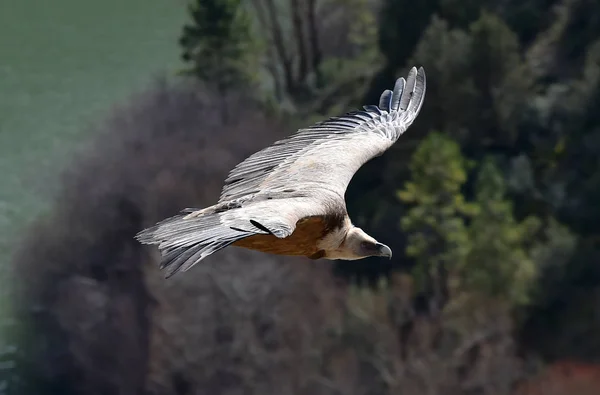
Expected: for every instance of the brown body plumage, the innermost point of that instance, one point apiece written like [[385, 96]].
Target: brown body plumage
[[303, 242]]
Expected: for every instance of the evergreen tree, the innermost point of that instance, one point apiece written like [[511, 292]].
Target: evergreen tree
[[438, 238], [482, 87], [473, 246], [451, 97], [502, 81], [220, 45], [499, 262]]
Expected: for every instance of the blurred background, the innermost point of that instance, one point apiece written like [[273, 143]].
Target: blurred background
[[114, 115]]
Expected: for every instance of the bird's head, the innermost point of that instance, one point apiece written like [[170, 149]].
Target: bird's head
[[358, 245]]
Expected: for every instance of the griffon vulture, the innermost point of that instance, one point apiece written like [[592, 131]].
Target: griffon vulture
[[288, 199]]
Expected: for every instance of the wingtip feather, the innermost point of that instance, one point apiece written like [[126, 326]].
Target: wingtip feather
[[420, 88], [408, 94], [399, 87], [409, 90], [385, 101]]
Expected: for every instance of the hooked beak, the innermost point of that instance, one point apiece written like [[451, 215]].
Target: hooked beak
[[384, 250]]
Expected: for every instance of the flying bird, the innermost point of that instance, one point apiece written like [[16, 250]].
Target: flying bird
[[288, 199]]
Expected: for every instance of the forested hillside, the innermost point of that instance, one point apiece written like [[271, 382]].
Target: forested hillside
[[490, 202]]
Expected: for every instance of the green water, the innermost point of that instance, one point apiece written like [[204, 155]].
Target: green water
[[63, 65]]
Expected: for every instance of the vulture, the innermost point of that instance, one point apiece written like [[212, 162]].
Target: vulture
[[288, 199]]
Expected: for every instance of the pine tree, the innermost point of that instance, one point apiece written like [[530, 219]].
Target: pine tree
[[474, 246], [482, 88], [438, 237], [220, 45], [499, 262], [451, 96], [502, 81]]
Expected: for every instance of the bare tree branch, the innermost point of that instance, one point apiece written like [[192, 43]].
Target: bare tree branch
[[279, 44], [313, 34]]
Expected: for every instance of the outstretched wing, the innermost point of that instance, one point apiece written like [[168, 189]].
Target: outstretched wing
[[326, 155], [305, 175]]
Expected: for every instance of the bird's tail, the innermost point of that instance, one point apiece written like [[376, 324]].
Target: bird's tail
[[185, 240]]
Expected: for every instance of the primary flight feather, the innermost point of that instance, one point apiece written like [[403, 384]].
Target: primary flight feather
[[288, 199]]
